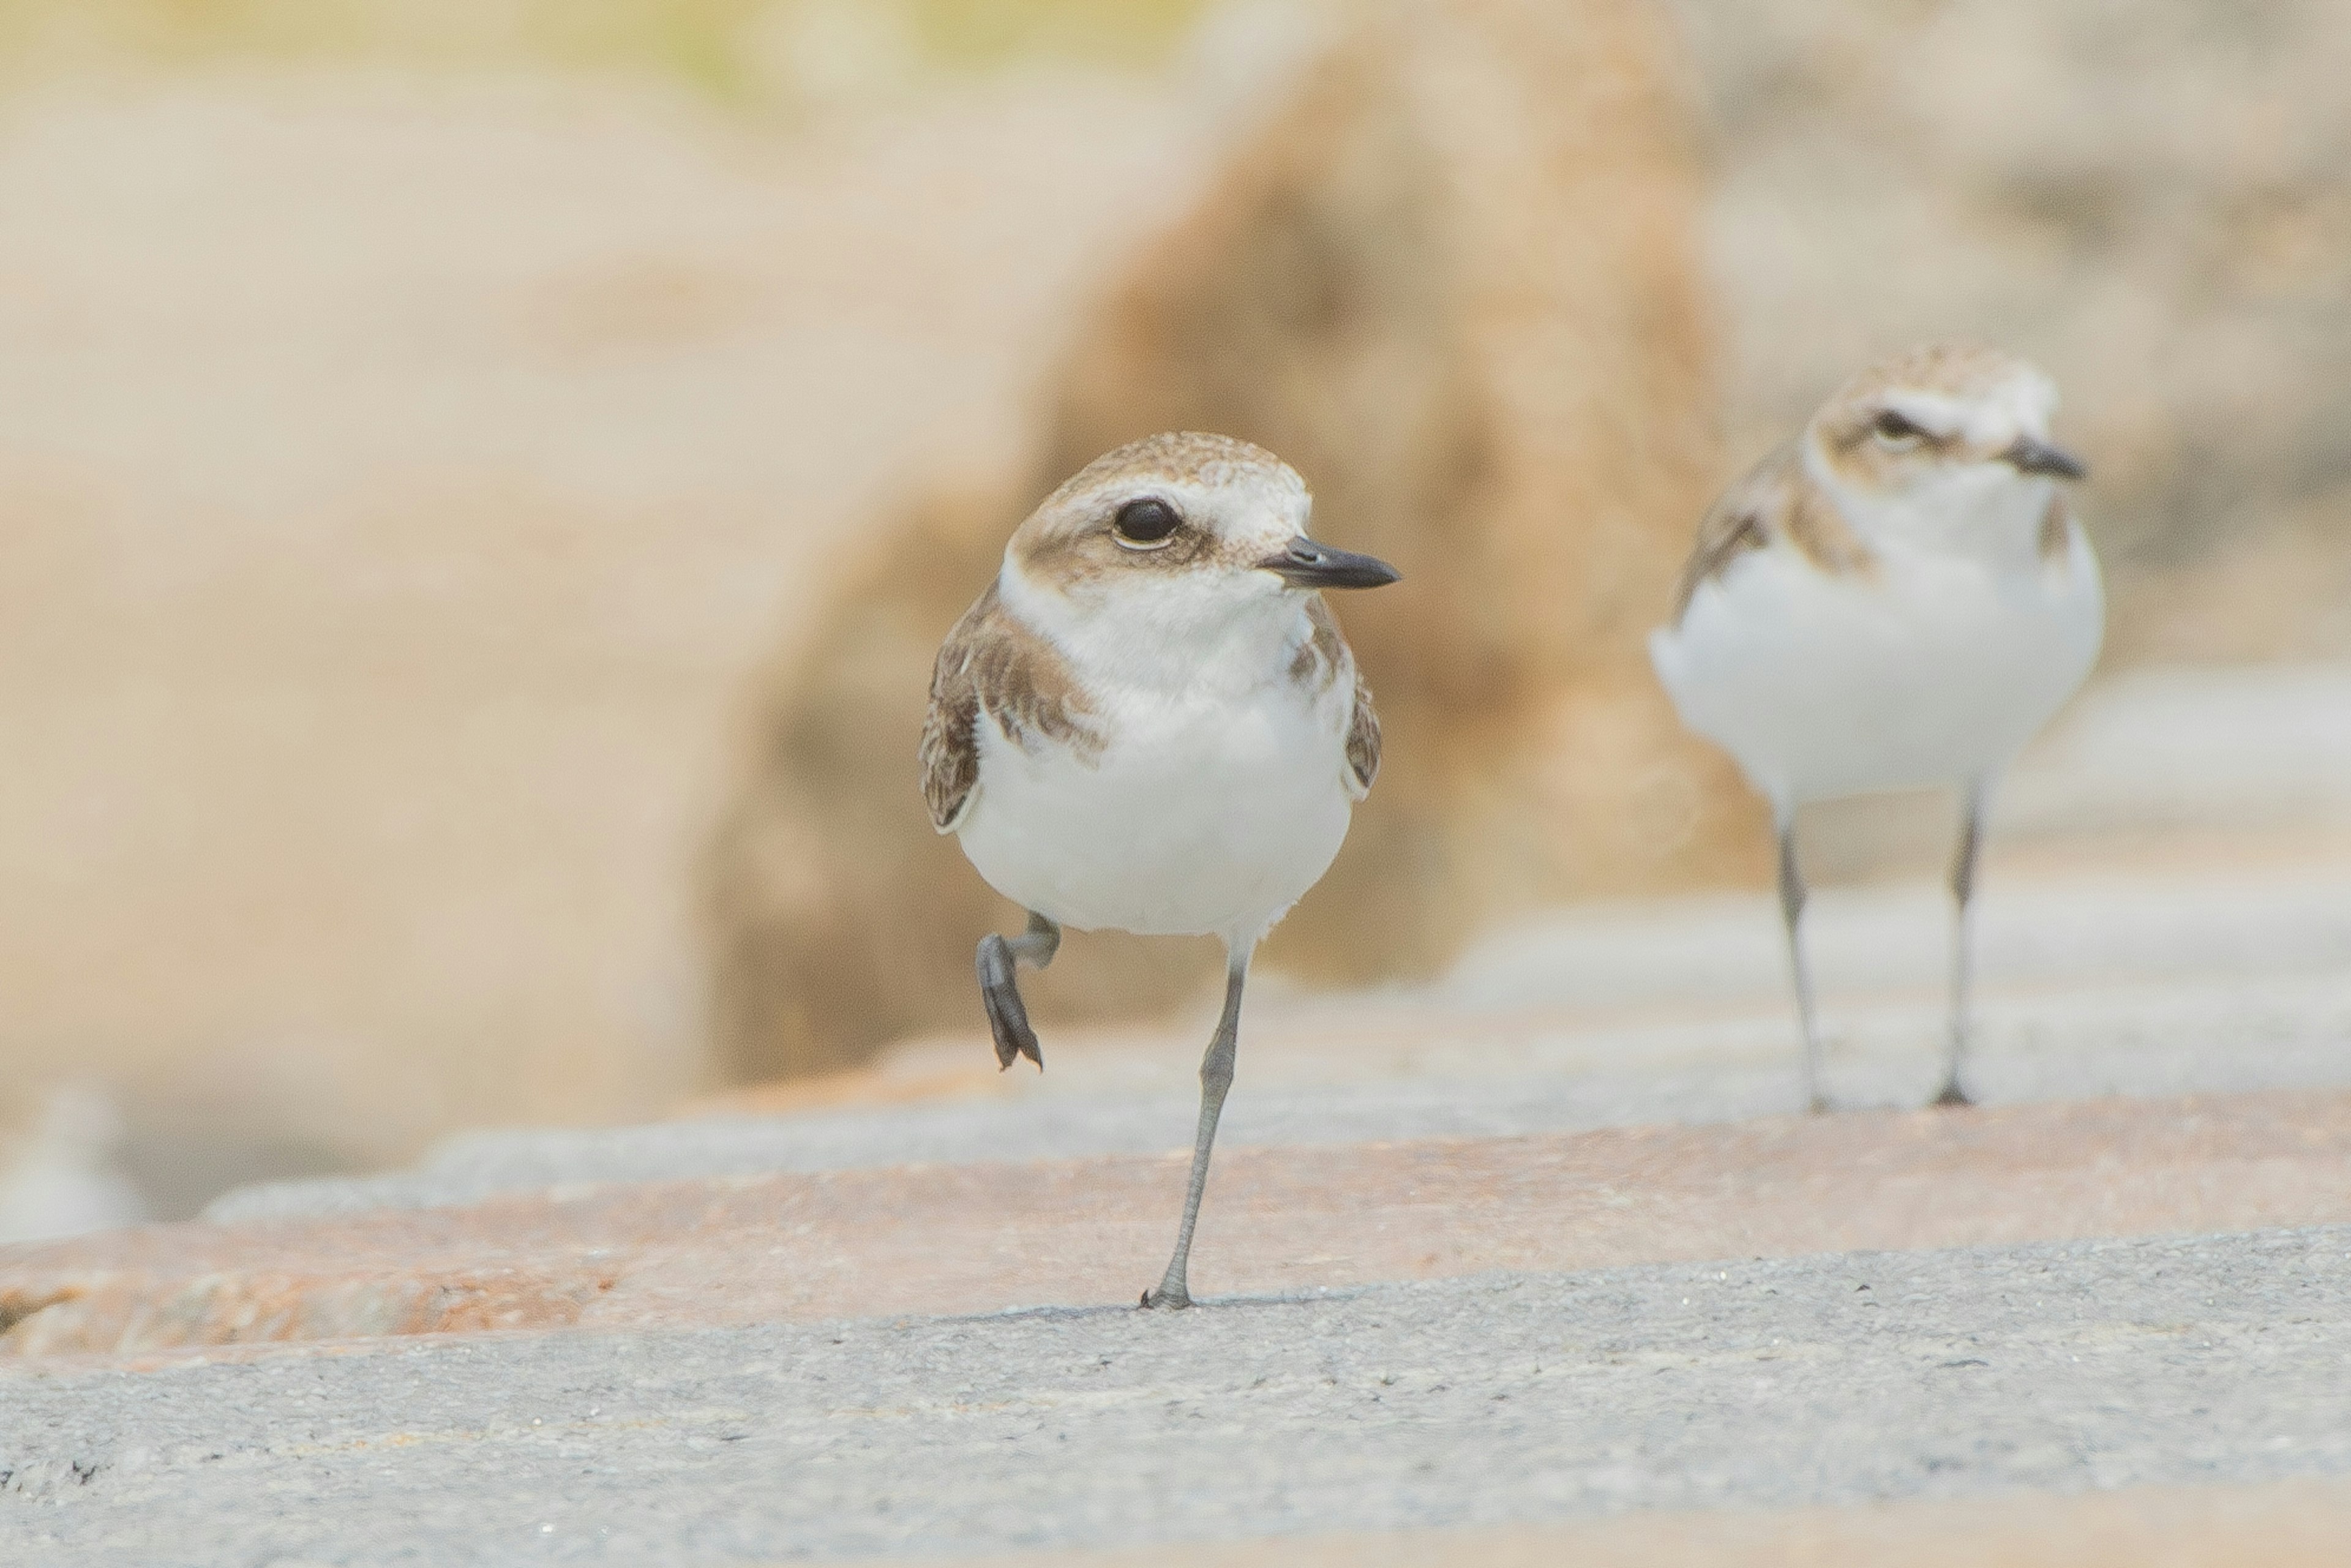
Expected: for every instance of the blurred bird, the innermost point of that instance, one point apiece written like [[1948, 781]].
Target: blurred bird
[[1897, 599], [66, 1179], [1151, 723]]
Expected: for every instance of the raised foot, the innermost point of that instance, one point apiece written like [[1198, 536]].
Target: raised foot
[[1159, 1298], [1008, 1019], [1953, 1094]]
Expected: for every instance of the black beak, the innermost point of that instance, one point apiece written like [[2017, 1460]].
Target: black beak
[[1305, 564], [2031, 457]]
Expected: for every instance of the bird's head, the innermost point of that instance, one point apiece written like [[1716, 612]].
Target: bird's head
[[1181, 527], [1942, 432]]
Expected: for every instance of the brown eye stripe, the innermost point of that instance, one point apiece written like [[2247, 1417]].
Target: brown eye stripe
[[1853, 433], [1089, 550], [1182, 546]]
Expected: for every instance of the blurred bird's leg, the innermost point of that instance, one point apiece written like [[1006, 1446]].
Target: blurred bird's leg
[[1963, 887], [999, 988], [1791, 911], [1215, 1077]]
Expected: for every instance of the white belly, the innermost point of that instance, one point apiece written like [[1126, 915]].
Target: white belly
[[1198, 818], [1936, 670]]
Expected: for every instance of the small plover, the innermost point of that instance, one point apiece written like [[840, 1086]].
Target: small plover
[[1150, 723], [1897, 599]]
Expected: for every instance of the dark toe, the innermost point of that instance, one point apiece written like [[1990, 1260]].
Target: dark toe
[[1008, 1020]]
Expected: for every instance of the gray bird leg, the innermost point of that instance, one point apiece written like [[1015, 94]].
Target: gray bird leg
[[999, 989], [1215, 1077], [1791, 910], [1963, 887]]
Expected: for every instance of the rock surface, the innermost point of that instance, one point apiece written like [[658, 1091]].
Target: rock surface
[[1527, 1400], [996, 1237], [1548, 1336], [2297, 1523]]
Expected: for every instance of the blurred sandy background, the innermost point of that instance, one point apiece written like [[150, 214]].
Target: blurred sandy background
[[421, 424]]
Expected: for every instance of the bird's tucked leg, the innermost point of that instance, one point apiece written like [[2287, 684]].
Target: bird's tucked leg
[[999, 988], [1215, 1078], [1963, 888], [1791, 911]]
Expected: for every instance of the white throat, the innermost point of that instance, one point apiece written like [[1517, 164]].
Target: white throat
[[1981, 511], [1204, 633]]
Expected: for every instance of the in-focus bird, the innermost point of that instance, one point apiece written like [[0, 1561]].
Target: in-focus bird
[[1898, 598], [1150, 723]]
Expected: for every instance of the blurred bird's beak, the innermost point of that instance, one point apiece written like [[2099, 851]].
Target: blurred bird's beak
[[1305, 564], [2031, 457]]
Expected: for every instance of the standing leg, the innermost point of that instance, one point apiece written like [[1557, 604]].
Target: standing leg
[[999, 991], [1791, 910], [1215, 1077], [1963, 887]]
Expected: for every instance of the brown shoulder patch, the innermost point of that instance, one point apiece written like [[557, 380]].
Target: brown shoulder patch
[[1324, 657], [993, 663], [1364, 741], [1731, 526], [2056, 532], [1325, 648], [1774, 500], [1816, 527]]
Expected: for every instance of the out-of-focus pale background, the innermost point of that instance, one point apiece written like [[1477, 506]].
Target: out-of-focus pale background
[[429, 433]]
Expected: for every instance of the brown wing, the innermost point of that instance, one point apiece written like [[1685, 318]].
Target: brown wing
[[1324, 658], [1774, 500], [2056, 532], [1734, 525], [1363, 742], [950, 749], [992, 664]]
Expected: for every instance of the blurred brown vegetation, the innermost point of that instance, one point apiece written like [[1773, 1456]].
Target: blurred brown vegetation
[[1455, 281]]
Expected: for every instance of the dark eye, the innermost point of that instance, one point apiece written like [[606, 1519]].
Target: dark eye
[[1145, 521], [1892, 425]]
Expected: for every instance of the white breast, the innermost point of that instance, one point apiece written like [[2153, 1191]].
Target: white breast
[[1933, 669], [1217, 797]]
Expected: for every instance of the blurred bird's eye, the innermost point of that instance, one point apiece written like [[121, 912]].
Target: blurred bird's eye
[[1896, 429], [1144, 523]]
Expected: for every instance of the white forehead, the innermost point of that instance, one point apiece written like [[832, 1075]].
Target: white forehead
[[2022, 401]]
